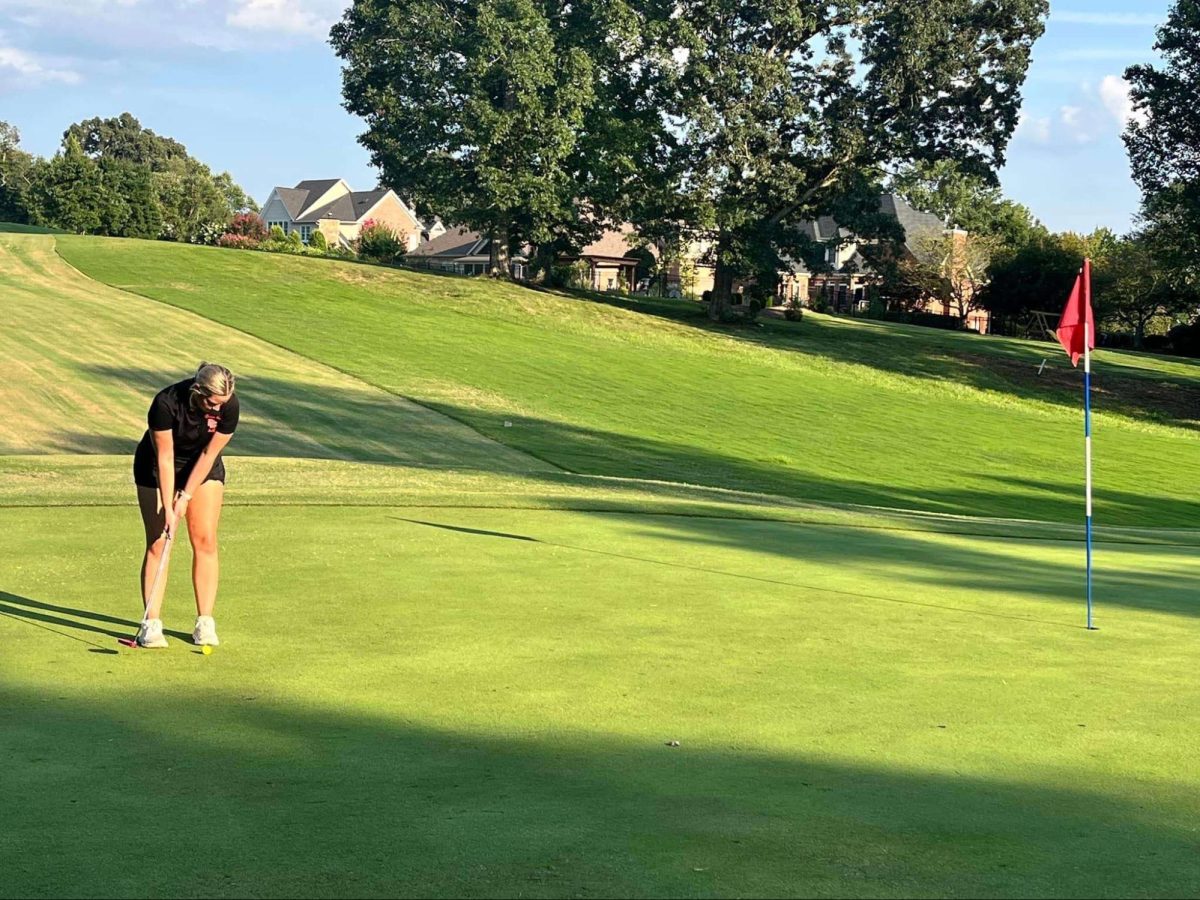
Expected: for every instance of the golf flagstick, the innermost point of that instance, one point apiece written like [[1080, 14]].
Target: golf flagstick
[[162, 565]]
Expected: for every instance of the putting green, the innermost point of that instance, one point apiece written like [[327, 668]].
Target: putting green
[[452, 669], [478, 702]]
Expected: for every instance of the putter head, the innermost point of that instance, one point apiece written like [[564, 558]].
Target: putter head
[[128, 642]]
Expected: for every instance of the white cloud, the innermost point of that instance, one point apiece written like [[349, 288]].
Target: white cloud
[[1119, 19], [1033, 128], [21, 69], [1114, 94], [313, 19]]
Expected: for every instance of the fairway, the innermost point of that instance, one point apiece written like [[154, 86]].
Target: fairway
[[456, 654]]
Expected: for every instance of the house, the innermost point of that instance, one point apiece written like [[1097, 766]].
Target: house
[[461, 251], [339, 213], [851, 272], [611, 260]]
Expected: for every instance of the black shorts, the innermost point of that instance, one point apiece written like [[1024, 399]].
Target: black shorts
[[145, 469]]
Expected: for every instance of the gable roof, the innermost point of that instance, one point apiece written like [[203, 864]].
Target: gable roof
[[293, 200], [346, 208], [612, 244], [318, 187], [914, 222], [455, 242]]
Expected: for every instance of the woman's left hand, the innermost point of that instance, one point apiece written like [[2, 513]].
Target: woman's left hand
[[181, 505]]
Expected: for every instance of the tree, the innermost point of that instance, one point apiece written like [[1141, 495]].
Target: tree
[[16, 168], [69, 192], [1163, 141], [1135, 290], [787, 110], [951, 267], [522, 119], [193, 204], [135, 210], [1037, 277], [965, 200], [124, 138]]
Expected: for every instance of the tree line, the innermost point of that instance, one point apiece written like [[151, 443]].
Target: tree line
[[114, 177], [713, 122], [723, 124]]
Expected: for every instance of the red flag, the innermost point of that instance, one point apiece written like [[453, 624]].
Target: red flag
[[1078, 310]]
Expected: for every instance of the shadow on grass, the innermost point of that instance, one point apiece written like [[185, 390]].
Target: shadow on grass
[[275, 800], [597, 452], [317, 421], [990, 364], [703, 533], [33, 612]]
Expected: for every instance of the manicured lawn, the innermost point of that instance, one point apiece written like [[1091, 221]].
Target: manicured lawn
[[452, 667], [407, 704], [835, 411]]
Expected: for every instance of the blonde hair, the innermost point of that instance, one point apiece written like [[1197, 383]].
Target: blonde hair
[[213, 380]]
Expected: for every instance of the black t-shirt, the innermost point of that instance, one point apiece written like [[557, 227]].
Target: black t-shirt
[[191, 427]]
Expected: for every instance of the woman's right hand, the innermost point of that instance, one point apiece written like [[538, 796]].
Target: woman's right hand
[[169, 515]]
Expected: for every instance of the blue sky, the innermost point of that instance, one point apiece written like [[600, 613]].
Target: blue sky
[[250, 86]]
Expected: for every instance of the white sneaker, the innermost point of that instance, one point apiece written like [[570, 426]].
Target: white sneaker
[[150, 635], [205, 632]]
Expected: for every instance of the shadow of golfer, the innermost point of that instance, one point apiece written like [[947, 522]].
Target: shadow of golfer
[[33, 612]]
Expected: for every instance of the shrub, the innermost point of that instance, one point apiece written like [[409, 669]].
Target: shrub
[[317, 242], [249, 225], [207, 233], [237, 241], [793, 311], [379, 243], [295, 245], [277, 234]]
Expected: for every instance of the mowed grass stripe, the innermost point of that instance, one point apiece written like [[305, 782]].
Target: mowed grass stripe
[[81, 362], [913, 421]]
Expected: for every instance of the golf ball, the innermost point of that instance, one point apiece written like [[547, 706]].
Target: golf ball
[[206, 649]]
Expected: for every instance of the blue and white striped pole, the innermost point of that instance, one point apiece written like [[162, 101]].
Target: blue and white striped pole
[[1087, 423]]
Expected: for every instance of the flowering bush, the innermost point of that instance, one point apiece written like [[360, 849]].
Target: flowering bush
[[237, 241], [379, 243], [249, 225]]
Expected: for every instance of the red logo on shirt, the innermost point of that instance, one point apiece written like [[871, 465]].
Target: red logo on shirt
[[213, 422]]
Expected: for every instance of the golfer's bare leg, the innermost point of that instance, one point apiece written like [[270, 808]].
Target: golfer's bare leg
[[154, 522], [203, 516]]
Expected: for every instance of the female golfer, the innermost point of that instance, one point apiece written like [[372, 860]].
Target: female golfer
[[180, 474]]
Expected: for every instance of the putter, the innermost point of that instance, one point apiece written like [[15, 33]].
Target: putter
[[162, 565]]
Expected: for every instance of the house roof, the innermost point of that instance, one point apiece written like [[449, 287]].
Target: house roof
[[914, 222], [316, 188], [293, 199], [455, 242], [612, 244], [348, 207]]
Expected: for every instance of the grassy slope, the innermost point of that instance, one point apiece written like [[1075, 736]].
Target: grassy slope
[[81, 362], [474, 702], [833, 411]]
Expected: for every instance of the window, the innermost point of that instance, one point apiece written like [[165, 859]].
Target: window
[[282, 225], [305, 233]]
